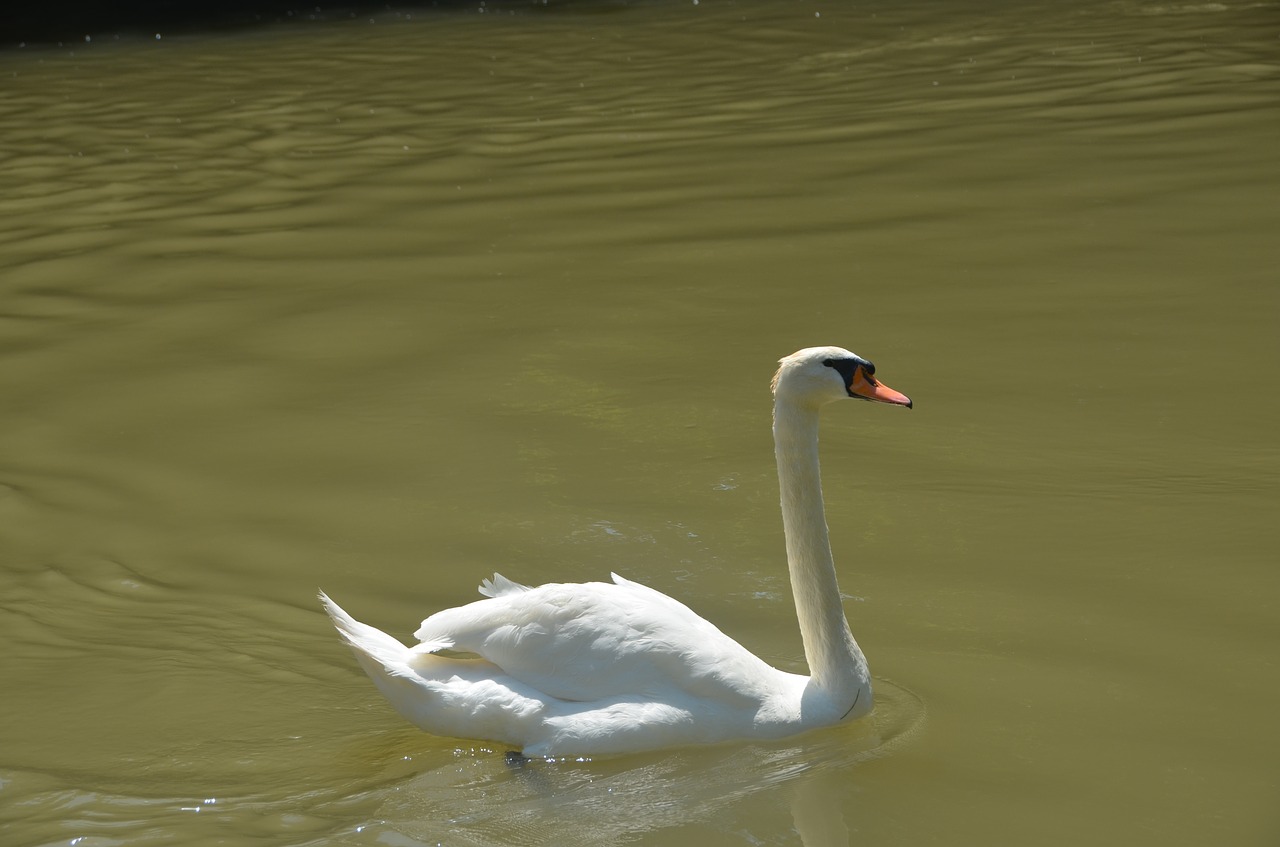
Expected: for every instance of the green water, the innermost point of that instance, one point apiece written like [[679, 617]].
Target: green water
[[384, 305]]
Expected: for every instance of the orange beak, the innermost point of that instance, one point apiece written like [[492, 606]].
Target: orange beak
[[866, 386]]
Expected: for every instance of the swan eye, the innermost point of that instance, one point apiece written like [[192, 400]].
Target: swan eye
[[847, 368]]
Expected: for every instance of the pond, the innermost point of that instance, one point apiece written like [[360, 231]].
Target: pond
[[384, 304]]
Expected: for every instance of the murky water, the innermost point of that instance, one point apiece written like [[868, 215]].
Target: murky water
[[385, 305]]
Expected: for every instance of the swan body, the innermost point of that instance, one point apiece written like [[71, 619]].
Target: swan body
[[617, 667]]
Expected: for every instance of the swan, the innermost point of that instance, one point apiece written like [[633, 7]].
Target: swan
[[597, 668]]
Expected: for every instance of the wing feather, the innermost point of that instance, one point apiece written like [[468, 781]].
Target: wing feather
[[589, 641], [500, 586]]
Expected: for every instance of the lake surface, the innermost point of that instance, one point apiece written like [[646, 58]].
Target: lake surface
[[382, 305]]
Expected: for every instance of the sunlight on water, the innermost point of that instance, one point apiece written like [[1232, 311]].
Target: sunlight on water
[[385, 305]]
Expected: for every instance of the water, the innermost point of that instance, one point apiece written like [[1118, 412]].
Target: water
[[384, 305]]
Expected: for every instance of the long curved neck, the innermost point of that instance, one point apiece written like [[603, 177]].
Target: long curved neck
[[836, 664]]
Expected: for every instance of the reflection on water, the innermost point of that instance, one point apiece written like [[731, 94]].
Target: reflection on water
[[482, 800], [410, 792], [387, 305]]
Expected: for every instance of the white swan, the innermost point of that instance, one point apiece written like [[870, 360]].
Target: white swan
[[595, 668]]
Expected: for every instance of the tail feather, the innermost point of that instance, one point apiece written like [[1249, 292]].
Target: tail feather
[[369, 643]]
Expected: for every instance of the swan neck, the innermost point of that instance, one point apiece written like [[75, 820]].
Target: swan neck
[[836, 664]]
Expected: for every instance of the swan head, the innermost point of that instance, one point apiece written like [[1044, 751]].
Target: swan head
[[816, 376]]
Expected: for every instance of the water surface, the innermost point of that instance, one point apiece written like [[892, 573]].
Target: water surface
[[384, 305]]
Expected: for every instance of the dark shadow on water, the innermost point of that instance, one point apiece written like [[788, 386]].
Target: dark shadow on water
[[71, 21]]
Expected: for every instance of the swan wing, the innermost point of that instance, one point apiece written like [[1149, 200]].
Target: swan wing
[[593, 641]]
